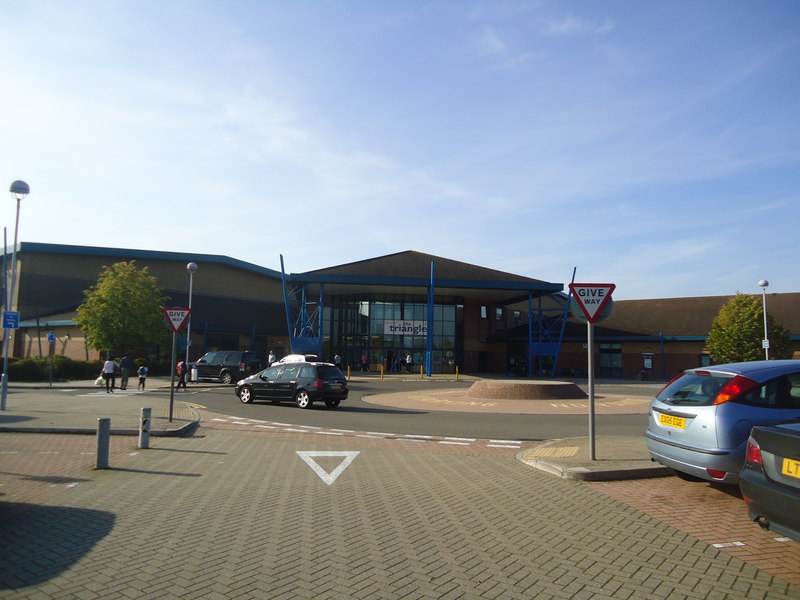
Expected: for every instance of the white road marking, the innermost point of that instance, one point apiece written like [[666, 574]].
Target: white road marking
[[328, 478]]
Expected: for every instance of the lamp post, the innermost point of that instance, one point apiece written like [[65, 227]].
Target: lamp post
[[192, 268], [19, 189], [763, 285]]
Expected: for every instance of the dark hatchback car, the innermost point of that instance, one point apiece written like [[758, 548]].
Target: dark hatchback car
[[226, 366], [302, 382], [770, 479]]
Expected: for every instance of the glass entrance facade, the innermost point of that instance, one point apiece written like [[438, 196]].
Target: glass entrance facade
[[387, 333]]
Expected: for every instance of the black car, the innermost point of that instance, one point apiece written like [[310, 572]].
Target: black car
[[302, 382], [770, 479], [226, 366]]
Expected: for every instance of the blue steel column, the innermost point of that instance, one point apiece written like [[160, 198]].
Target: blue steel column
[[286, 304], [321, 329], [429, 354], [530, 333]]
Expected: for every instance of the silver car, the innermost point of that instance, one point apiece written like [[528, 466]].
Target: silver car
[[698, 425]]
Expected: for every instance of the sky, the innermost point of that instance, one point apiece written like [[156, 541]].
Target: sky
[[653, 145]]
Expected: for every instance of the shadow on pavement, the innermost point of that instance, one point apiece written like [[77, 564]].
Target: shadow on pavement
[[40, 542]]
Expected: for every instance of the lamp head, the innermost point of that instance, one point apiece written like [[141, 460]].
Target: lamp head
[[19, 189], [191, 267], [763, 283]]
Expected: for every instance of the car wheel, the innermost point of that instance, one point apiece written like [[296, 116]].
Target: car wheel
[[302, 399], [332, 403], [246, 394], [226, 377]]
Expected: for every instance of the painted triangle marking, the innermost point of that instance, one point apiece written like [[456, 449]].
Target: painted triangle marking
[[328, 478]]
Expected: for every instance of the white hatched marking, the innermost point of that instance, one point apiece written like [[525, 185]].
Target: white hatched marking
[[372, 437], [221, 420], [309, 427], [330, 433], [502, 446], [283, 424], [379, 433], [456, 443], [344, 430], [410, 440], [266, 426], [241, 423], [296, 430], [413, 435], [460, 439], [504, 442]]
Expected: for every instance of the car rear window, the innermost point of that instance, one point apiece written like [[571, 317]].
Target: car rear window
[[693, 389], [330, 372]]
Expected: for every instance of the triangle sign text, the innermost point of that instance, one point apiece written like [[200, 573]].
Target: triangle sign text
[[328, 478]]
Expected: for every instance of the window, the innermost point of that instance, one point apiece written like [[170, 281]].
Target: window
[[483, 312], [498, 314], [290, 372]]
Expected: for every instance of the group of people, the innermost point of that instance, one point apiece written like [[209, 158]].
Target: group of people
[[113, 367]]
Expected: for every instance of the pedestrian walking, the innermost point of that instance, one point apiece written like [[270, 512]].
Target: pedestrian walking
[[142, 373], [181, 370], [125, 366], [271, 358], [109, 373]]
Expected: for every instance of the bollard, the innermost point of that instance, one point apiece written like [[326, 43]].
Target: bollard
[[456, 372], [144, 428], [381, 371], [421, 372], [103, 437], [348, 372]]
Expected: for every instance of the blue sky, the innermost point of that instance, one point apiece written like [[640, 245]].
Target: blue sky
[[654, 145]]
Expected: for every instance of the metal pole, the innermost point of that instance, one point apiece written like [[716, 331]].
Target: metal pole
[[4, 382], [764, 304], [103, 437], [172, 376], [590, 366], [189, 322], [144, 428]]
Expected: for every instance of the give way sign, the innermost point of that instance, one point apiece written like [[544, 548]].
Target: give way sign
[[592, 297], [176, 317]]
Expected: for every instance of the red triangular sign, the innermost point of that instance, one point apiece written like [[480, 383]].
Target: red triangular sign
[[592, 297], [176, 317]]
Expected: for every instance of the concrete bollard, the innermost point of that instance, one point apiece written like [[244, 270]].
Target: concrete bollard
[[144, 428], [103, 443]]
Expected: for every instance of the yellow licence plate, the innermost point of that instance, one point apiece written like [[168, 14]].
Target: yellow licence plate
[[791, 468], [672, 421]]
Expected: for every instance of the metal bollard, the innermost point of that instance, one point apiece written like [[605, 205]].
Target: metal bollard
[[144, 428], [103, 443]]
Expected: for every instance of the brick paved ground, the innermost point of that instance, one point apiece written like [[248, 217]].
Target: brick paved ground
[[238, 514], [714, 514]]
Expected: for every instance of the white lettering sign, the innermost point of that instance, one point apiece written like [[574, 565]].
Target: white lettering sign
[[405, 328]]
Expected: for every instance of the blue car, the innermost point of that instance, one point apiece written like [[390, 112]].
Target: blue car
[[698, 425], [770, 479]]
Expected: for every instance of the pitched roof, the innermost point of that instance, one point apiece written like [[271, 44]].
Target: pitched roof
[[411, 263], [688, 316]]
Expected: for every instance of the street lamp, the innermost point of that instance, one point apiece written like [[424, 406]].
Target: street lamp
[[19, 189], [192, 268], [763, 285]]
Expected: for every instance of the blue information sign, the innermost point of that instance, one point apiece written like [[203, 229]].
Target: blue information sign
[[10, 319]]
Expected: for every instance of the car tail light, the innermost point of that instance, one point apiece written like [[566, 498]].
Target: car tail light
[[319, 384], [753, 453], [717, 474], [735, 387]]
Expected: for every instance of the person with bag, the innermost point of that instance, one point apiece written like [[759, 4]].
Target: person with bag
[[109, 373], [181, 370]]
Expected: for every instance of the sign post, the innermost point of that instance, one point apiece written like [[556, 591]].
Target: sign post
[[176, 318], [593, 299]]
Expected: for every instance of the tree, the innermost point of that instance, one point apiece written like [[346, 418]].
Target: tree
[[738, 329], [123, 310]]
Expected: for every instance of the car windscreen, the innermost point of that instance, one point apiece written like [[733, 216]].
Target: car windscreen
[[330, 372], [693, 389]]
